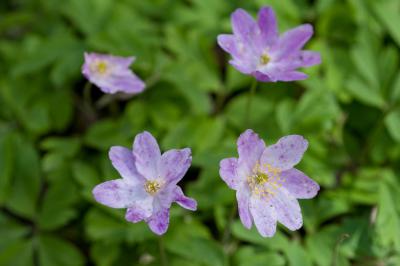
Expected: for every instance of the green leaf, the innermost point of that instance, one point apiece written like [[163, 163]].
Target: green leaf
[[248, 256], [27, 180], [7, 160], [278, 242], [56, 251], [58, 205], [392, 122], [19, 253]]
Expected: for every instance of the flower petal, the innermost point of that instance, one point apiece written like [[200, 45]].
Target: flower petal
[[116, 193], [243, 199], [268, 25], [286, 153], [243, 26], [159, 221], [307, 58], [290, 76], [183, 201], [264, 216], [147, 155], [227, 171], [250, 149], [123, 161], [262, 77], [140, 210], [228, 43], [174, 164], [287, 209], [292, 41], [242, 66], [299, 185]]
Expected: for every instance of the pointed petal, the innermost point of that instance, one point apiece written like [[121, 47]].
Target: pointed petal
[[242, 66], [174, 164], [262, 77], [140, 210], [123, 161], [264, 216], [286, 153], [250, 149], [243, 199], [287, 209], [228, 43], [243, 26], [183, 201], [299, 185], [117, 193], [290, 76], [228, 172], [159, 221], [268, 25], [292, 41], [147, 155]]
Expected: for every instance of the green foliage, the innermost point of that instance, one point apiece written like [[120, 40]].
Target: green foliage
[[54, 144]]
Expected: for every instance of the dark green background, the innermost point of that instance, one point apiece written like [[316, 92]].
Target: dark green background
[[53, 145]]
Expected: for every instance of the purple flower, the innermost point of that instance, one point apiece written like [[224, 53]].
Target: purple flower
[[112, 73], [258, 50], [267, 186], [149, 182]]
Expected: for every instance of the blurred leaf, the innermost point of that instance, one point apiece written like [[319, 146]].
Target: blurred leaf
[[55, 251], [57, 208], [247, 256], [392, 122], [19, 253], [27, 180]]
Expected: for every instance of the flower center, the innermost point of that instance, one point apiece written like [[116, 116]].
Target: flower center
[[101, 67], [265, 180], [152, 187], [264, 59]]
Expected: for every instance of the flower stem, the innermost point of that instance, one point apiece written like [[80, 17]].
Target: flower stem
[[86, 93], [163, 256], [249, 102]]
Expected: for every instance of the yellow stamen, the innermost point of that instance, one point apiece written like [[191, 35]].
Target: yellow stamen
[[264, 59], [101, 67], [265, 180], [152, 187]]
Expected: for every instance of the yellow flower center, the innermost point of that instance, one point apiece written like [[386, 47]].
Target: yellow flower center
[[101, 67], [264, 59], [265, 180], [152, 187]]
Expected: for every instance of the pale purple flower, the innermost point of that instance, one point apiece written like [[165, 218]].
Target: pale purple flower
[[149, 182], [257, 49], [112, 73], [267, 186]]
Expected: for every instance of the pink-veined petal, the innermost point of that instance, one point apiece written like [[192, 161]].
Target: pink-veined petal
[[118, 193], [243, 199], [174, 164], [286, 153], [147, 155], [299, 185], [264, 215], [287, 209], [123, 161]]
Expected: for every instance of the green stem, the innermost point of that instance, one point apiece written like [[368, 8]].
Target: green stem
[[163, 256], [86, 93], [249, 102]]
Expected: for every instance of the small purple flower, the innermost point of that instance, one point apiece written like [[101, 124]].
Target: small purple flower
[[258, 50], [267, 186], [112, 73], [149, 182]]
